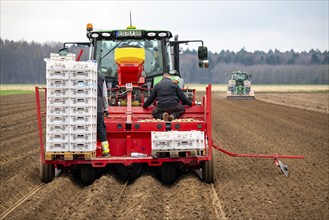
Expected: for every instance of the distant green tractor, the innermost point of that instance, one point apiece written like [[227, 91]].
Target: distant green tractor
[[239, 86]]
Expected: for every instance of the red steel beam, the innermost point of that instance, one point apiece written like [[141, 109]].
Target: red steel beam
[[37, 99], [273, 156]]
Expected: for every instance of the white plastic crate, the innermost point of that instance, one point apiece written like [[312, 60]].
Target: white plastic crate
[[188, 140], [57, 73], [56, 56], [87, 128], [58, 119], [53, 64], [81, 119], [161, 136], [58, 92], [187, 135], [182, 135], [82, 137], [91, 65], [57, 137], [83, 101], [58, 110], [83, 74], [83, 92], [83, 110], [177, 140], [188, 144], [162, 145], [58, 101], [58, 128], [58, 83], [161, 140], [82, 146], [57, 146], [83, 83]]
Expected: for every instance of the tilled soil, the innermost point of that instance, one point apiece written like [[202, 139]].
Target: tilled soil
[[311, 101], [245, 188]]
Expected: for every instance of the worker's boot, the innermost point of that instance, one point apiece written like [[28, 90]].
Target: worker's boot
[[165, 116], [105, 149], [171, 117]]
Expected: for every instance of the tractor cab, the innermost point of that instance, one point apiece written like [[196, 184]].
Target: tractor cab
[[240, 77]]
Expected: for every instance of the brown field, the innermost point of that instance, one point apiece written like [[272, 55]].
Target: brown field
[[245, 188], [266, 88], [202, 87]]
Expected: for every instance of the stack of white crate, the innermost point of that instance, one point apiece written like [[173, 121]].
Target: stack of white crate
[[188, 140], [177, 140], [71, 104], [161, 141]]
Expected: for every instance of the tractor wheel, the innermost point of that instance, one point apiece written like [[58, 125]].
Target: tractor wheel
[[129, 173], [208, 170], [47, 172], [169, 173], [99, 172], [88, 174]]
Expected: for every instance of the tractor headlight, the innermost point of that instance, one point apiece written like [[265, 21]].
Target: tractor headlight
[[105, 34], [246, 83], [94, 35], [151, 34], [162, 34], [231, 83]]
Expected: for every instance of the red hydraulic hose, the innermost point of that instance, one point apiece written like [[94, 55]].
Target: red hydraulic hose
[[80, 54]]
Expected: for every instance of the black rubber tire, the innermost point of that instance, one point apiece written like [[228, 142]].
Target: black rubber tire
[[47, 172], [129, 173], [99, 172], [88, 174], [169, 173], [208, 170]]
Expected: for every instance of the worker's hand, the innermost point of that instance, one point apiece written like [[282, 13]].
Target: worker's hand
[[106, 114]]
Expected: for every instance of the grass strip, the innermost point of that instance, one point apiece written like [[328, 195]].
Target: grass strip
[[15, 92]]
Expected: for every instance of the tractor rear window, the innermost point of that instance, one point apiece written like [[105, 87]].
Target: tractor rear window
[[105, 50]]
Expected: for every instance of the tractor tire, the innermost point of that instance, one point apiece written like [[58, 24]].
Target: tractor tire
[[47, 172], [129, 173], [88, 174], [208, 170], [169, 173]]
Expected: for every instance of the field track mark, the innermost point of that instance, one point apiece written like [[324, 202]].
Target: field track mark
[[167, 206], [118, 200], [22, 200], [217, 205]]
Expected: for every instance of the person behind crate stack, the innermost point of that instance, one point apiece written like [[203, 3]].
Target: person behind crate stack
[[102, 109], [168, 95]]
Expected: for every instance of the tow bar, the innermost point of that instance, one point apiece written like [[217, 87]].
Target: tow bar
[[283, 168]]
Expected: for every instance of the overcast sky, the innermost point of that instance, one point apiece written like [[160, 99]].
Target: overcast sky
[[228, 25]]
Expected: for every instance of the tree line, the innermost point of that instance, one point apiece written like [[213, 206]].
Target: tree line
[[23, 62]]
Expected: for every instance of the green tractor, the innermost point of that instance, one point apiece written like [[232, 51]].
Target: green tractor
[[239, 86]]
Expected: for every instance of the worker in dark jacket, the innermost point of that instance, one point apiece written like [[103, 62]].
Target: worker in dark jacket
[[168, 95], [102, 109]]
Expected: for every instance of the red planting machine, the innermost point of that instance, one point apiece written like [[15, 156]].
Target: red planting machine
[[132, 61]]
